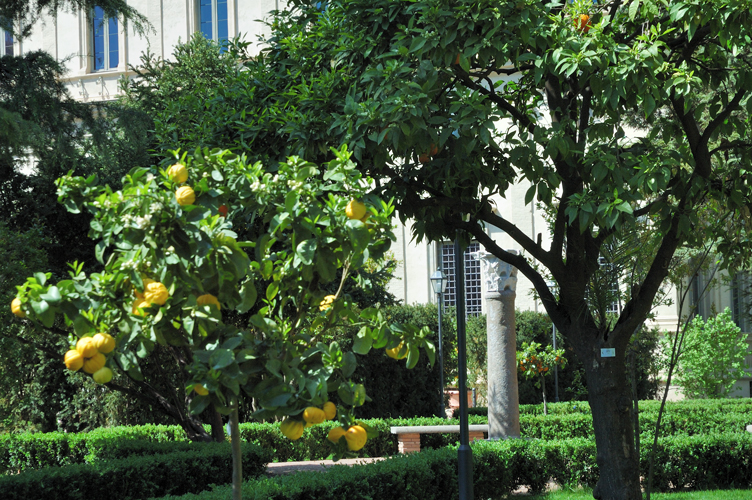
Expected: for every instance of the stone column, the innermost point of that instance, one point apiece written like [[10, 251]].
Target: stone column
[[503, 391]]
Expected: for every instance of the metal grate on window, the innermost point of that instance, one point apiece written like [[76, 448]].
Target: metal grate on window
[[473, 299]]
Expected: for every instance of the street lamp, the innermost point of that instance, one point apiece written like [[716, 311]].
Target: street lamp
[[552, 285], [439, 283]]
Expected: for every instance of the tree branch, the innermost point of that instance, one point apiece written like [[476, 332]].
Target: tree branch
[[721, 117]]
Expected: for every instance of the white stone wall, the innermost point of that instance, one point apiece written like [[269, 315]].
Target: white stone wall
[[67, 36]]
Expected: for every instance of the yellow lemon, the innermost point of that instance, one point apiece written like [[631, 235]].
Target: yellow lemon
[[330, 410], [104, 342], [139, 306], [94, 363], [314, 415], [356, 438], [355, 210], [178, 173], [156, 293], [208, 299], [15, 307], [292, 429], [335, 434], [73, 360], [200, 390], [395, 352], [185, 196], [86, 347], [102, 376], [326, 303]]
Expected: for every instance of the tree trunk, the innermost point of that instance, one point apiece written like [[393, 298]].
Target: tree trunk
[[543, 388], [610, 402]]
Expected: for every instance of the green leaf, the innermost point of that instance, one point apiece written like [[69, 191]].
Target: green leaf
[[199, 404], [52, 296], [349, 364], [362, 342], [634, 9], [272, 290], [221, 358], [248, 295], [305, 252]]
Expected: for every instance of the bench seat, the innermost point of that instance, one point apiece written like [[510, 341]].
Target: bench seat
[[408, 437]]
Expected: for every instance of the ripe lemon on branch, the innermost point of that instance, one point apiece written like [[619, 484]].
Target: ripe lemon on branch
[[313, 415], [355, 209], [178, 173], [208, 299], [394, 353], [185, 196], [104, 342], [15, 307], [356, 437], [156, 293], [292, 429], [73, 360]]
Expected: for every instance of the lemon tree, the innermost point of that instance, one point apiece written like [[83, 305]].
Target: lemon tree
[[535, 364], [244, 292]]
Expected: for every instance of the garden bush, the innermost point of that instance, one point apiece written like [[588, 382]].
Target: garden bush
[[136, 477], [20, 452], [500, 467]]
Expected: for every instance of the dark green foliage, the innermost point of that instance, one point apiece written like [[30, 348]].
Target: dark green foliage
[[396, 391], [136, 477]]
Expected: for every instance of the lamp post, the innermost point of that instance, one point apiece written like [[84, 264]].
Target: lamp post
[[552, 286], [439, 283], [464, 453]]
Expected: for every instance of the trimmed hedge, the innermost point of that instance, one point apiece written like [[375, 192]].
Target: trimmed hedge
[[689, 406], [30, 451], [21, 452], [136, 477], [500, 467]]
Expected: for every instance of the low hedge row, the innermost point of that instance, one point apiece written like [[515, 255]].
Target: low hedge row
[[22, 452], [500, 467], [689, 406], [136, 477]]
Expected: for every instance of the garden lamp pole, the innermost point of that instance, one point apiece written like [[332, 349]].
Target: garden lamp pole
[[552, 286], [439, 283], [465, 453]]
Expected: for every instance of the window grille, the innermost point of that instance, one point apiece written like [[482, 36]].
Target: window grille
[[473, 298]]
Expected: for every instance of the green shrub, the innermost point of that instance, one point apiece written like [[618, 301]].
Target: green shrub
[[500, 467], [136, 477], [29, 451]]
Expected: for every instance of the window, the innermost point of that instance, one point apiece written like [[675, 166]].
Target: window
[[212, 18], [6, 42], [473, 299], [105, 41]]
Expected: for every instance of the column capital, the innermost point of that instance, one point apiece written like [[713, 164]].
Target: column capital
[[499, 275]]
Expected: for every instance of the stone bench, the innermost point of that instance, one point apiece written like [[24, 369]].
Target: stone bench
[[408, 437]]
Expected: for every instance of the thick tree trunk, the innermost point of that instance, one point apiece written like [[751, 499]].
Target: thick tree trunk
[[610, 402]]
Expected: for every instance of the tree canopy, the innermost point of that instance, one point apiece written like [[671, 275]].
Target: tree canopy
[[618, 115]]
